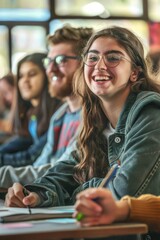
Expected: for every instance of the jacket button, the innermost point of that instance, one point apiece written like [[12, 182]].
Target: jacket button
[[117, 140]]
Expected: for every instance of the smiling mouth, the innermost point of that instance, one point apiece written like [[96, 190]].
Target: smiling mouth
[[102, 79], [26, 89]]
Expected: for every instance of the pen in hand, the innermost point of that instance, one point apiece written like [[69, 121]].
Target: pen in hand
[[25, 192]]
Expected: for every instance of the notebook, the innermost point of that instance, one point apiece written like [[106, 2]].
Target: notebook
[[10, 214]]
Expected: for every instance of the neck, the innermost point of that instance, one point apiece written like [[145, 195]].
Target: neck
[[73, 102], [112, 109], [112, 112], [35, 102]]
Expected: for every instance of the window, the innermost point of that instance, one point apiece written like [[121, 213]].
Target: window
[[4, 51], [154, 10], [27, 39], [22, 10], [101, 8]]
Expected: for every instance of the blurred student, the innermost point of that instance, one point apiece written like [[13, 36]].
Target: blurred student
[[7, 92], [106, 210], [153, 60], [121, 109], [33, 108], [65, 48]]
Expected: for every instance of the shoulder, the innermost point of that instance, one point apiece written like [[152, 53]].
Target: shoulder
[[60, 112], [147, 102], [146, 98]]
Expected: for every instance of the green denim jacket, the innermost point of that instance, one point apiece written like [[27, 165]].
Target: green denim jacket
[[135, 143]]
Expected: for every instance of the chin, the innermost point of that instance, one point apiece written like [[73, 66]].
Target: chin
[[26, 98]]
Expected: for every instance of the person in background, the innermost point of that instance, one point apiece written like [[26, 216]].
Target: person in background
[[7, 92], [65, 47], [153, 60], [120, 124], [33, 108], [106, 210]]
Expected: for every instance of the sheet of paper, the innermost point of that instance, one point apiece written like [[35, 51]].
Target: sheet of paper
[[6, 211], [61, 220], [17, 225]]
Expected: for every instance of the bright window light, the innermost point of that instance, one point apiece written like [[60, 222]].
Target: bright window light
[[93, 9]]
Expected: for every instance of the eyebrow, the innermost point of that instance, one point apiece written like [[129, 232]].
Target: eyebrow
[[107, 52]]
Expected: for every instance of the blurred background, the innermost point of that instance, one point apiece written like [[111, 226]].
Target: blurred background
[[24, 25]]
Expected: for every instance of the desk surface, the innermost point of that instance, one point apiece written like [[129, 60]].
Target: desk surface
[[50, 230]]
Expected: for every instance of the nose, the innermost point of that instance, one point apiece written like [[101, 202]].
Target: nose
[[52, 67], [24, 79], [101, 63]]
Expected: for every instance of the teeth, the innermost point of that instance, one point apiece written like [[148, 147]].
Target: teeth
[[98, 80], [54, 78], [101, 79]]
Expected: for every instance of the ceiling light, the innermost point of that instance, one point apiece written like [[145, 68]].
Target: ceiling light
[[93, 9]]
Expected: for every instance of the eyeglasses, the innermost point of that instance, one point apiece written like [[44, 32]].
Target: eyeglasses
[[59, 60], [111, 59]]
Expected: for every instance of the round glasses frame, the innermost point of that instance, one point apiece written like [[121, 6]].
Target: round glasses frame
[[110, 59]]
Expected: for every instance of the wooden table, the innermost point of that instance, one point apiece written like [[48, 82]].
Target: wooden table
[[49, 230]]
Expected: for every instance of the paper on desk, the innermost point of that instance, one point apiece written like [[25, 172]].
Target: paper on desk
[[61, 220], [8, 214], [50, 210]]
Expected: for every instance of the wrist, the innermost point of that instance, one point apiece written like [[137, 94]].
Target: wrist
[[123, 210]]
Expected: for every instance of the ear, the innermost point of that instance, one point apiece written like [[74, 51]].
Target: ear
[[134, 75]]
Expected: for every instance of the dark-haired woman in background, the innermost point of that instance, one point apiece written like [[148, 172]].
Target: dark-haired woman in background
[[33, 108]]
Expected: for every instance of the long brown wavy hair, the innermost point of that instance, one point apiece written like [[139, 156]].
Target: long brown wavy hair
[[92, 145]]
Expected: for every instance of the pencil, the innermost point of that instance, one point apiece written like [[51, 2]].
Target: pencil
[[26, 194], [109, 176]]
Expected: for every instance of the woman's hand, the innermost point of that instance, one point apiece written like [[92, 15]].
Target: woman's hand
[[99, 207], [16, 198]]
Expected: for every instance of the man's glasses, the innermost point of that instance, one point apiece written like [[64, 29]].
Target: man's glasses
[[111, 59], [59, 60]]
